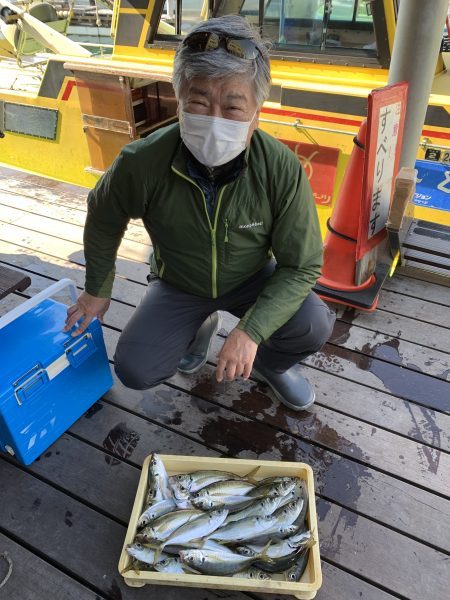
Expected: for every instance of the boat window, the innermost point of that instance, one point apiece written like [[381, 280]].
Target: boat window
[[320, 25], [298, 26]]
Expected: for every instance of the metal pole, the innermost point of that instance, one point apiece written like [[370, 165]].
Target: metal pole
[[420, 25]]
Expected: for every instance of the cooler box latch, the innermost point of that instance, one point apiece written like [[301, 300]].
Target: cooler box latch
[[77, 352], [29, 383]]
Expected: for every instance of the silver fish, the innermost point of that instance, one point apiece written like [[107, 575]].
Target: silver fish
[[209, 562], [181, 496], [169, 565], [194, 485], [156, 510], [143, 554], [198, 479], [280, 486], [160, 529], [207, 502], [200, 527], [158, 481], [286, 516], [281, 548], [244, 529], [259, 507], [231, 487], [252, 573], [295, 573], [205, 544], [280, 534], [277, 565]]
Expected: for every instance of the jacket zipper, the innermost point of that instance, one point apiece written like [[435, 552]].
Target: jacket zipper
[[163, 265], [212, 228]]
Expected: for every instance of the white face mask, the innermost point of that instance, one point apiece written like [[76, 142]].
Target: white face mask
[[212, 140]]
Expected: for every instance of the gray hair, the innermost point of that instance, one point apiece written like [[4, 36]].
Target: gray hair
[[218, 64]]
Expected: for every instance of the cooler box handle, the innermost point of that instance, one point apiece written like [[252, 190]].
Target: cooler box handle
[[35, 300]]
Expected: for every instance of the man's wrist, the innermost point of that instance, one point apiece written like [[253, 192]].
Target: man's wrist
[[252, 334]]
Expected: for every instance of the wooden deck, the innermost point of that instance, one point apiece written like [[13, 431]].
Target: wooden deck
[[377, 437]]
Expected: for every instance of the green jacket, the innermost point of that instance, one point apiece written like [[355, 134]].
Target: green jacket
[[268, 209]]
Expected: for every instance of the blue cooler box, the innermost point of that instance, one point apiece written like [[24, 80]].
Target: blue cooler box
[[48, 379]]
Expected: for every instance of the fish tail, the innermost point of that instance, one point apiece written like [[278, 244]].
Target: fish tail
[[251, 475], [263, 555], [312, 540], [133, 566], [158, 550]]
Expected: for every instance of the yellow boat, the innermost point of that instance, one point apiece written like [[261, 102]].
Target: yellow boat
[[68, 114]]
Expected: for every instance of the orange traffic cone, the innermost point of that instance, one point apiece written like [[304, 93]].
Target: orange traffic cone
[[337, 282]]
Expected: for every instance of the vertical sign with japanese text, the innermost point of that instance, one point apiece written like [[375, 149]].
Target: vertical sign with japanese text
[[386, 116]]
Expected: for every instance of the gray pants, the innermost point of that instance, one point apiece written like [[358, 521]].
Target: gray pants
[[165, 323]]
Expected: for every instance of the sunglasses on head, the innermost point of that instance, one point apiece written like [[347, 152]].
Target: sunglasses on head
[[203, 41]]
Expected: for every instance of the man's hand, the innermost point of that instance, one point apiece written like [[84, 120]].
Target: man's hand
[[86, 308], [237, 356]]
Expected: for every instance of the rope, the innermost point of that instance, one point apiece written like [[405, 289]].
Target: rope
[[10, 568], [98, 21]]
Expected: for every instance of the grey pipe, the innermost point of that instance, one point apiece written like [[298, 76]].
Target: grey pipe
[[420, 26]]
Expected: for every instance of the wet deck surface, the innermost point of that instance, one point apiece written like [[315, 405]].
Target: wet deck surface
[[377, 437]]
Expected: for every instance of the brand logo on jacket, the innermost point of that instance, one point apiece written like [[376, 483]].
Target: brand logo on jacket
[[251, 225]]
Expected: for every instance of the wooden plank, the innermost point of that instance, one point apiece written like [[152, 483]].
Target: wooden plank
[[391, 349], [355, 400], [359, 550], [73, 233], [86, 542], [350, 437], [415, 308], [14, 185], [424, 465], [381, 375], [12, 280], [64, 198], [412, 330], [338, 585], [135, 271], [417, 288], [377, 374], [32, 578], [61, 212], [34, 262], [347, 482], [117, 438], [34, 181], [118, 314]]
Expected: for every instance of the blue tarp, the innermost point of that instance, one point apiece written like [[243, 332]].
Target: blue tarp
[[433, 185]]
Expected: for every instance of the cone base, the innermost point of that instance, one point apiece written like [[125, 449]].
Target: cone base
[[362, 299], [342, 287]]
